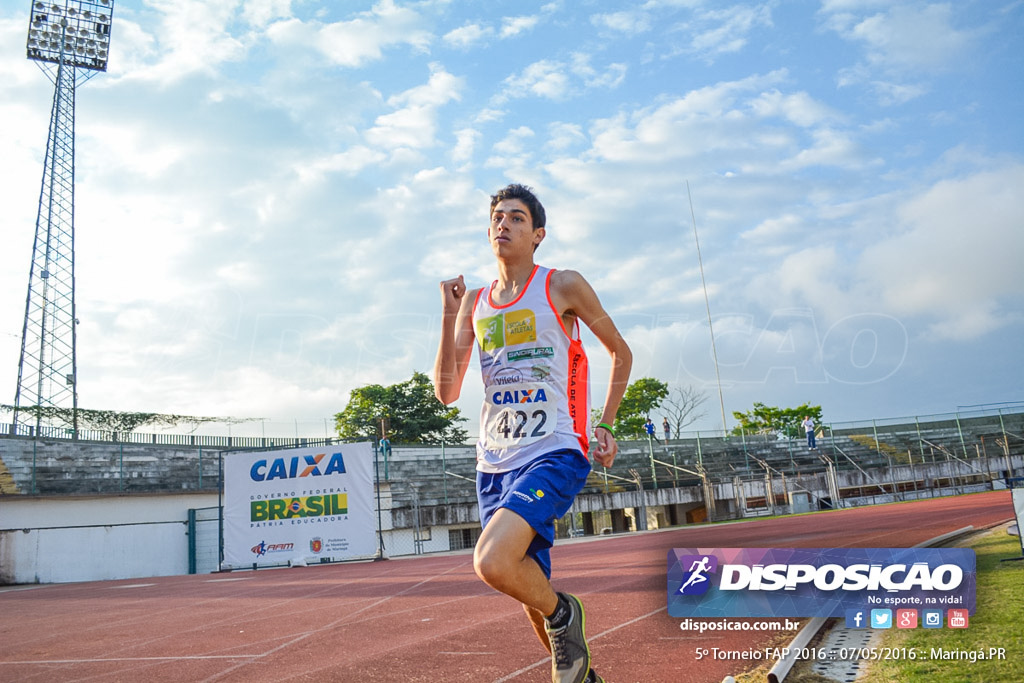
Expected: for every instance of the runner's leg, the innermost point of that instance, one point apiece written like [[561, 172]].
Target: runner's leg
[[500, 560], [537, 621]]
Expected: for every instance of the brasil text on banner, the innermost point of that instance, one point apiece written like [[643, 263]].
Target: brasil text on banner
[[816, 582]]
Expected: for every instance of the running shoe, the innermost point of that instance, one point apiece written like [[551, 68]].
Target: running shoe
[[570, 656]]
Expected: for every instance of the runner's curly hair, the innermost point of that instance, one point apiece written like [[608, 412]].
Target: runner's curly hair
[[526, 196]]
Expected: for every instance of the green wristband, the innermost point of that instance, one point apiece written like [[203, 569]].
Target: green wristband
[[605, 425]]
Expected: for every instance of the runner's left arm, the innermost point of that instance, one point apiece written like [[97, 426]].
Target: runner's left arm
[[574, 294]]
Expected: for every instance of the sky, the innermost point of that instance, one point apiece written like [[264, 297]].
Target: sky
[[268, 193]]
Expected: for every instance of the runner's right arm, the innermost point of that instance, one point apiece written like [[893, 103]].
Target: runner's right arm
[[456, 346]]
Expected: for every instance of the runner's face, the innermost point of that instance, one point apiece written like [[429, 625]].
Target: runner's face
[[511, 228]]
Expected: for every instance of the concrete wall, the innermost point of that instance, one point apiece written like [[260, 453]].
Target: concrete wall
[[58, 540]]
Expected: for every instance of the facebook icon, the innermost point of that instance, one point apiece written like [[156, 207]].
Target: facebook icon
[[856, 618]]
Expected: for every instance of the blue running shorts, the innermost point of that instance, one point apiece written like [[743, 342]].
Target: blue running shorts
[[540, 492]]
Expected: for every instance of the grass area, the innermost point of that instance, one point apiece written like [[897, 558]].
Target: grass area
[[998, 622]]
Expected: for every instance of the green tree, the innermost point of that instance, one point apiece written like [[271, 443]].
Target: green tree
[[641, 397], [764, 419], [409, 410]]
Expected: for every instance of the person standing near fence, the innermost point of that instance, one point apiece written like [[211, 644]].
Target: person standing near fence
[[534, 422], [808, 425]]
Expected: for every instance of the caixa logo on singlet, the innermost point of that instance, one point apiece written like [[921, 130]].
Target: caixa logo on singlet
[[519, 396]]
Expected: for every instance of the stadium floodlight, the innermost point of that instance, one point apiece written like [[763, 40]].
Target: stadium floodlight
[[72, 32], [70, 41]]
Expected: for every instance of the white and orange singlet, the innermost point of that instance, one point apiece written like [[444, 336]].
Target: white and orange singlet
[[536, 378]]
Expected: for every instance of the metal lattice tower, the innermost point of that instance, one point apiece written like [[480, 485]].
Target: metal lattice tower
[[70, 40]]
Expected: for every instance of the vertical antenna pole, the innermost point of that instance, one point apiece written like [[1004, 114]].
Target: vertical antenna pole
[[707, 305]]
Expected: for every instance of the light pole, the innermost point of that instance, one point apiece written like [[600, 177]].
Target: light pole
[[70, 41]]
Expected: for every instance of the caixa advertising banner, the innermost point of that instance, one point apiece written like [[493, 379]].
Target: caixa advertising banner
[[817, 582], [299, 505]]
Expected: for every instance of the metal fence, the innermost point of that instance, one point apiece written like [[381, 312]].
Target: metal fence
[[52, 462], [315, 432], [48, 432]]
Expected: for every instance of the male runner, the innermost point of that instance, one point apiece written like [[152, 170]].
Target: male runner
[[534, 423]]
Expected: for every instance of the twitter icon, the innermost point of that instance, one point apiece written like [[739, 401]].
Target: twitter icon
[[881, 618]]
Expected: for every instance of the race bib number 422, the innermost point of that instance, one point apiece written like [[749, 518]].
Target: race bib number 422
[[518, 414]]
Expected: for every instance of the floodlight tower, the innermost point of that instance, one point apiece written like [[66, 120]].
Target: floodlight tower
[[70, 41]]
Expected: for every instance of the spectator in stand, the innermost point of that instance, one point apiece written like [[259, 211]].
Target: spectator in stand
[[808, 424]]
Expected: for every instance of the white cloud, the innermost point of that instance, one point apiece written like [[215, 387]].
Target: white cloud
[[888, 92], [631, 22], [558, 80], [956, 257], [897, 93], [910, 37], [546, 78], [15, 70], [301, 391], [849, 5], [513, 149], [356, 42], [722, 31], [811, 276], [830, 148], [260, 13], [612, 77], [349, 162], [465, 143], [192, 36], [514, 26], [565, 135], [775, 229], [799, 107], [489, 114], [441, 88], [904, 45], [472, 34], [468, 35], [718, 117], [415, 125], [134, 149], [947, 255]]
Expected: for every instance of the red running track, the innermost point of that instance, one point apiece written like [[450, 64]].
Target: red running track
[[419, 619]]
